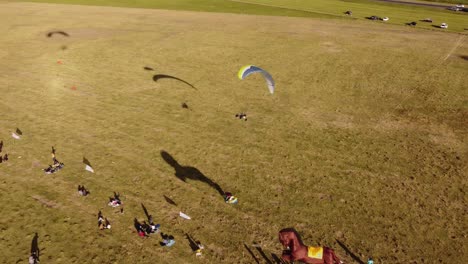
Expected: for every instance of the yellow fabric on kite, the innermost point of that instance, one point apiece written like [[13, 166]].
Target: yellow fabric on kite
[[315, 252]]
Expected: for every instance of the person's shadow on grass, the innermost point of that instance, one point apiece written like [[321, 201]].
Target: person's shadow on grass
[[35, 247], [186, 172]]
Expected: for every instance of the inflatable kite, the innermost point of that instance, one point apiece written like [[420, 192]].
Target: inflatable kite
[[295, 250], [249, 69]]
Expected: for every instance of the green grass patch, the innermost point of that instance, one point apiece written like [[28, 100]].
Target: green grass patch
[[398, 13], [225, 6]]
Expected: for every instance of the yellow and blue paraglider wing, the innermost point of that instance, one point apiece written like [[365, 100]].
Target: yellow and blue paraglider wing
[[249, 69]]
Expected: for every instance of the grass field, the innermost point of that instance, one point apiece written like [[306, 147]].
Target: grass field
[[364, 141], [398, 14]]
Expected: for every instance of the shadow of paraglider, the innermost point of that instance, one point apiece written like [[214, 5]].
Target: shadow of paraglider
[[63, 33], [186, 172], [157, 77]]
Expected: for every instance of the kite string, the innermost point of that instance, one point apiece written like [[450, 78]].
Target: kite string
[[457, 44]]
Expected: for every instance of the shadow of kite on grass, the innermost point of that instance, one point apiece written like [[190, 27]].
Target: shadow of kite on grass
[[157, 77], [186, 172], [63, 33]]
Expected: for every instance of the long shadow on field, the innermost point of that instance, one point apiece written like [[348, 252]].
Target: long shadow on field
[[260, 250], [169, 200], [192, 243], [164, 76], [63, 33], [35, 246], [277, 259], [356, 258], [148, 216], [137, 225], [252, 254], [186, 172], [86, 161]]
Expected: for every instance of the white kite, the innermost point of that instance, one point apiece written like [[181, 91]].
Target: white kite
[[89, 168], [14, 135], [184, 216]]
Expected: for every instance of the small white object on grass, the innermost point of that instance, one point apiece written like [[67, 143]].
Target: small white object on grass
[[184, 216], [89, 168], [14, 135]]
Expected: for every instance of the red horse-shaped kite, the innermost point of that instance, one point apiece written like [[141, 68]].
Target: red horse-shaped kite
[[295, 250]]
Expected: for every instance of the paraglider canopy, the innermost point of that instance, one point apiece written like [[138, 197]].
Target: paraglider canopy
[[249, 69]]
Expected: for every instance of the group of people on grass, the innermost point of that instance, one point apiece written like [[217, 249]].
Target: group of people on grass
[[56, 166], [103, 223], [82, 190], [144, 229], [115, 201]]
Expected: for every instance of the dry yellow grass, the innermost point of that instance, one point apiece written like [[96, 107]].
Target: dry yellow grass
[[364, 140]]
